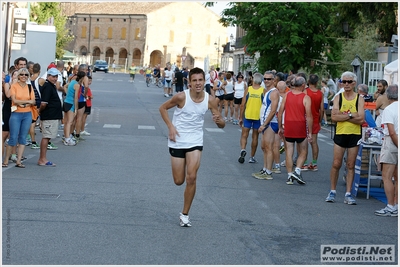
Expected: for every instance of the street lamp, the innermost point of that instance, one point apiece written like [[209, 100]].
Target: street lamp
[[217, 48]]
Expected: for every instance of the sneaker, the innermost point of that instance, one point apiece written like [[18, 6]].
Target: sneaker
[[348, 199], [255, 173], [242, 155], [298, 178], [184, 220], [312, 167], [386, 212], [166, 95], [276, 170], [263, 175], [85, 133], [331, 197], [289, 181], [283, 163], [13, 158], [35, 146], [80, 138], [252, 160], [69, 142], [281, 149], [51, 146], [304, 167]]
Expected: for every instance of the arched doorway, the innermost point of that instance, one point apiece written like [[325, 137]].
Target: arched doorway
[[109, 55], [136, 56], [83, 50], [122, 57], [155, 58], [96, 53]]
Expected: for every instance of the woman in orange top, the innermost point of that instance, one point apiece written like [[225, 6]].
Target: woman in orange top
[[21, 117]]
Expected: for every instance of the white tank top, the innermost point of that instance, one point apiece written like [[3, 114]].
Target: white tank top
[[239, 90], [189, 121], [229, 87], [266, 107]]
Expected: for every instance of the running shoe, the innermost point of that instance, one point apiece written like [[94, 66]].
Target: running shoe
[[51, 146], [13, 157], [252, 160], [184, 220], [289, 181], [386, 212], [35, 146], [166, 95], [242, 155], [331, 197], [281, 149], [85, 133], [276, 169], [298, 178], [312, 167], [348, 199], [304, 167], [69, 142], [263, 175], [255, 173], [283, 163]]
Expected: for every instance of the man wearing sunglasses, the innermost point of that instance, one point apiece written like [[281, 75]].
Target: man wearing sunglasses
[[348, 112]]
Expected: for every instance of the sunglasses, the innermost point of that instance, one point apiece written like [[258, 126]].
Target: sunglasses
[[268, 79], [347, 81], [27, 75]]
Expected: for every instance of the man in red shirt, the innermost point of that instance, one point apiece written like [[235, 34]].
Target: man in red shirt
[[298, 127], [317, 110]]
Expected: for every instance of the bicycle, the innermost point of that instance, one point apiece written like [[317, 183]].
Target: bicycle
[[157, 81], [148, 81]]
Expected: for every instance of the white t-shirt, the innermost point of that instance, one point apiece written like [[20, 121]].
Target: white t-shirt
[[391, 115], [208, 78], [168, 74], [239, 90]]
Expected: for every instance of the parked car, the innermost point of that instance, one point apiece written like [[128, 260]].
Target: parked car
[[100, 65]]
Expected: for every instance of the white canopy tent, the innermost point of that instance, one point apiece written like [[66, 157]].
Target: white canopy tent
[[390, 72]]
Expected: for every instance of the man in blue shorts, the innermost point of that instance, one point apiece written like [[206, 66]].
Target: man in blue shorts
[[250, 116], [269, 125]]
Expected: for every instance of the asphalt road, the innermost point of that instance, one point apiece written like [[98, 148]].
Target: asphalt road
[[111, 199]]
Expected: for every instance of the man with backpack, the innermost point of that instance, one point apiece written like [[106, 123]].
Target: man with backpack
[[348, 112]]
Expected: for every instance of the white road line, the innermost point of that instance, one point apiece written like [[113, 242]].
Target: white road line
[[144, 127], [214, 130], [114, 126]]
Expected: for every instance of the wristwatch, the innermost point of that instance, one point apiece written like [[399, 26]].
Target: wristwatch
[[350, 115]]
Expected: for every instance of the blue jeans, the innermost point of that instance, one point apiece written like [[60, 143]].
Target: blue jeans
[[20, 122]]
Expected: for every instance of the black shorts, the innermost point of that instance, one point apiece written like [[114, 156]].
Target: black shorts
[[228, 97], [81, 105], [220, 97], [294, 140], [88, 110], [347, 140], [237, 101], [67, 107], [181, 152]]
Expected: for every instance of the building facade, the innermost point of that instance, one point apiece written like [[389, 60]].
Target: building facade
[[152, 33]]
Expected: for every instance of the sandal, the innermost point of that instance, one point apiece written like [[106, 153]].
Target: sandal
[[20, 165], [4, 165]]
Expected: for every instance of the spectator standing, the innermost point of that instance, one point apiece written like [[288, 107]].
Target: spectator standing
[[348, 112], [88, 108], [327, 98], [178, 79], [50, 113], [382, 101], [389, 152], [21, 116]]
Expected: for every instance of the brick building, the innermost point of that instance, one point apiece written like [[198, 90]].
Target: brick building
[[144, 32]]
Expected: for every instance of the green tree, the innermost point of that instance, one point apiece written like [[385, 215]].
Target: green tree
[[42, 12], [382, 14], [287, 36]]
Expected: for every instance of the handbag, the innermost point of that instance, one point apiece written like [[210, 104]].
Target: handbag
[[34, 110]]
